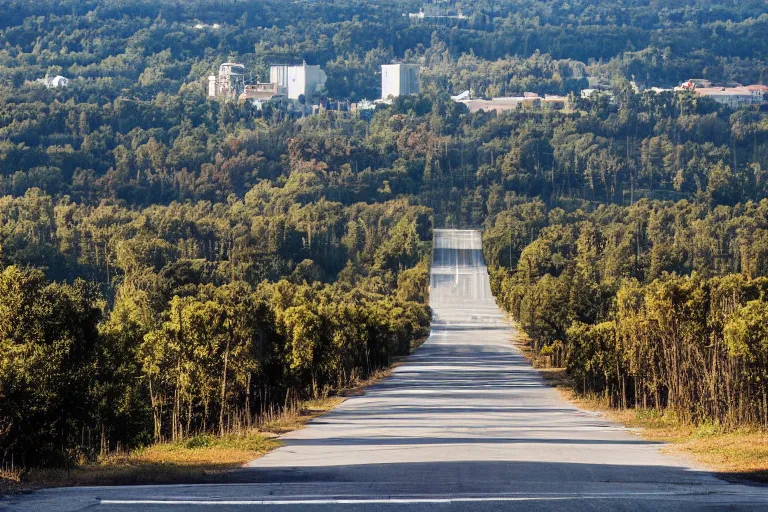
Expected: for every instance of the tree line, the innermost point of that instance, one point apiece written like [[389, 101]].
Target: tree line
[[657, 304], [464, 166], [195, 318]]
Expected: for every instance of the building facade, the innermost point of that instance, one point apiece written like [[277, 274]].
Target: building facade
[[733, 97], [260, 92], [278, 74], [296, 81], [399, 80]]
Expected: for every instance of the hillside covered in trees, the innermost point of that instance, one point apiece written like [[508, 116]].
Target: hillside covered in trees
[[174, 265]]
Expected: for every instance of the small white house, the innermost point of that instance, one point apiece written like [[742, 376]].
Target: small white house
[[461, 96], [54, 82]]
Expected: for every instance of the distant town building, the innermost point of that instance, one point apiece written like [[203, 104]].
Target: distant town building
[[733, 97], [594, 93], [658, 90], [278, 74], [436, 13], [399, 80], [296, 81], [230, 83], [553, 102], [201, 26], [529, 101], [54, 82], [699, 82], [762, 89], [364, 109]]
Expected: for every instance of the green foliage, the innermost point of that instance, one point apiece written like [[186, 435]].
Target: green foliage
[[48, 364], [194, 339], [657, 305]]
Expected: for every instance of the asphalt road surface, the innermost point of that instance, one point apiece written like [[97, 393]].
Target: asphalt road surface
[[465, 424]]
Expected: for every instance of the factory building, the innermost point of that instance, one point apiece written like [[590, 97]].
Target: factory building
[[399, 80], [296, 81], [278, 74], [230, 83], [733, 97], [260, 92]]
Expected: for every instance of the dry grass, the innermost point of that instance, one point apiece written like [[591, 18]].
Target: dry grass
[[10, 481], [198, 459], [739, 455], [294, 420], [733, 454]]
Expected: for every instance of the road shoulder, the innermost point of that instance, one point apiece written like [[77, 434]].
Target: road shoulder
[[739, 456]]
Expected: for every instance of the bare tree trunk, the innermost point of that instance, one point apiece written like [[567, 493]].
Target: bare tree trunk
[[248, 401], [156, 414], [222, 398]]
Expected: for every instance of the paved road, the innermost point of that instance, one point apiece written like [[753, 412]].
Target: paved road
[[466, 424]]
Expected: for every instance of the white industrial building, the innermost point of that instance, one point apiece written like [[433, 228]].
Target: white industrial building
[[399, 80], [296, 81], [278, 74], [230, 83], [436, 13]]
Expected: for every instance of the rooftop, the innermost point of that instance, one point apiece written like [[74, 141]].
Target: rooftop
[[723, 91]]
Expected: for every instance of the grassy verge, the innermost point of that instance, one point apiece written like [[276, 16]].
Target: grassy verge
[[736, 455]]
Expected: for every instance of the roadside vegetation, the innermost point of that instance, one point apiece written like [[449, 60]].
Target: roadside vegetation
[[197, 459]]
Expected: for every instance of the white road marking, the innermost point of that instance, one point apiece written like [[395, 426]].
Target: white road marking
[[397, 501]]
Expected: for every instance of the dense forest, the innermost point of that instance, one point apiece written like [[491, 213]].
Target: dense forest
[[172, 265]]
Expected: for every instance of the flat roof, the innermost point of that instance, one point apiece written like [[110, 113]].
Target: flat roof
[[723, 91]]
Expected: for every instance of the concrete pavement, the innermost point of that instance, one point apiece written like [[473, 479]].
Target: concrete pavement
[[465, 424]]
